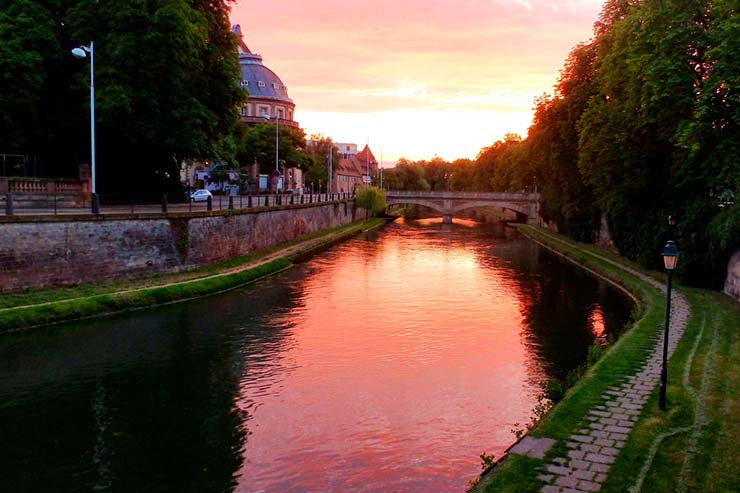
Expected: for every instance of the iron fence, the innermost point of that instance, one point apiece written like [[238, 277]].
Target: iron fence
[[78, 203]]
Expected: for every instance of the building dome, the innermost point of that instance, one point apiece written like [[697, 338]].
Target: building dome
[[267, 93]]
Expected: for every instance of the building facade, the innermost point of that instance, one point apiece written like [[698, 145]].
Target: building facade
[[346, 150], [355, 171]]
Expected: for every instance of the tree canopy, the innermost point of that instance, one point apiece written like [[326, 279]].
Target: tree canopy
[[166, 88]]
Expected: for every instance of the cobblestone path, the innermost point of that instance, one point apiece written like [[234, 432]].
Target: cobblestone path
[[605, 428]]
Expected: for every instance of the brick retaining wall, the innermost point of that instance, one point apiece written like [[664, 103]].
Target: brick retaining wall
[[49, 251]]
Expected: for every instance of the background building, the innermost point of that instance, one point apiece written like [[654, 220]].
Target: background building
[[346, 150], [354, 171]]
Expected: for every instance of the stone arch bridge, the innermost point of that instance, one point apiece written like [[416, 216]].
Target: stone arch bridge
[[526, 205]]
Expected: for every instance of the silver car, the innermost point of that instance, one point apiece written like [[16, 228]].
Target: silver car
[[200, 195]]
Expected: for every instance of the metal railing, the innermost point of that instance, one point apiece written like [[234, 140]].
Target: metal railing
[[75, 203], [464, 195]]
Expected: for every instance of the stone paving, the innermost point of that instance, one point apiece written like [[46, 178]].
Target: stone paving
[[593, 449]]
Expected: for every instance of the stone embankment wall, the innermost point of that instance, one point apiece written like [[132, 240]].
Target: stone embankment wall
[[732, 283], [48, 251]]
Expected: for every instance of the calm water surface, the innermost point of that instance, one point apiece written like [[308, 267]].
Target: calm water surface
[[388, 363]]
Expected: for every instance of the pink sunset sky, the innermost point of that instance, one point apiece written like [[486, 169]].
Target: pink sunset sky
[[417, 78]]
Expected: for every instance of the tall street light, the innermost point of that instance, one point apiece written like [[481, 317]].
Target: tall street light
[[670, 260], [277, 144], [82, 52]]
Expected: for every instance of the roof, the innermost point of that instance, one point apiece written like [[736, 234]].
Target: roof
[[261, 82], [358, 164]]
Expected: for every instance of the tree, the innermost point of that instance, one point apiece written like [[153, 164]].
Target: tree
[[257, 144], [319, 151], [36, 113], [166, 75], [370, 198], [407, 175], [650, 65]]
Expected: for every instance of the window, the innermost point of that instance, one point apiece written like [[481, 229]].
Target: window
[[244, 111], [244, 83], [261, 84], [280, 114], [275, 85], [264, 110]]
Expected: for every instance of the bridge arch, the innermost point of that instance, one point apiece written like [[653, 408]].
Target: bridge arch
[[518, 208], [426, 203], [447, 203]]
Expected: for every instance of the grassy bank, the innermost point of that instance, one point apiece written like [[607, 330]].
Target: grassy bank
[[36, 308], [691, 446], [663, 471]]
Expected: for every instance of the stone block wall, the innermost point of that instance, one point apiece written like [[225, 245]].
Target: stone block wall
[[49, 251], [732, 283]]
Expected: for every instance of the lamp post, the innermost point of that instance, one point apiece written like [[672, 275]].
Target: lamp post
[[670, 260], [82, 52], [277, 144]]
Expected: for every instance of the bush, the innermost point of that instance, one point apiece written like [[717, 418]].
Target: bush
[[372, 199]]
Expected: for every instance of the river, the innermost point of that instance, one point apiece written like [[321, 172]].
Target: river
[[388, 363]]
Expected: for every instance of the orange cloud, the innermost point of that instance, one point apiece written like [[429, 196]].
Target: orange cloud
[[356, 68]]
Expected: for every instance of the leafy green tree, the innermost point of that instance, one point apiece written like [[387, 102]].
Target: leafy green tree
[[553, 147], [370, 198], [648, 75], [407, 175], [462, 175], [503, 166], [257, 144], [318, 151], [166, 75], [37, 116]]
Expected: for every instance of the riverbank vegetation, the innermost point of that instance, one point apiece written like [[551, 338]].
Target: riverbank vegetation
[[687, 448], [372, 199], [42, 307], [643, 125]]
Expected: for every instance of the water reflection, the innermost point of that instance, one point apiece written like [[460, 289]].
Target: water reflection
[[134, 403], [385, 364]]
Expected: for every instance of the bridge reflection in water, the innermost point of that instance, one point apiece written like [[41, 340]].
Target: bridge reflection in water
[[525, 205]]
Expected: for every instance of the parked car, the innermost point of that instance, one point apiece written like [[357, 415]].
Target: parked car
[[200, 195]]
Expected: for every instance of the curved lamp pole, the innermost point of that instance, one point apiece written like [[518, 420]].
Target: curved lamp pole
[[82, 52], [670, 260]]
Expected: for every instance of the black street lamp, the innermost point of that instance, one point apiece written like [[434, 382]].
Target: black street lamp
[[670, 260]]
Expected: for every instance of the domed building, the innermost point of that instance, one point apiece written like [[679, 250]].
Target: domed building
[[267, 93]]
